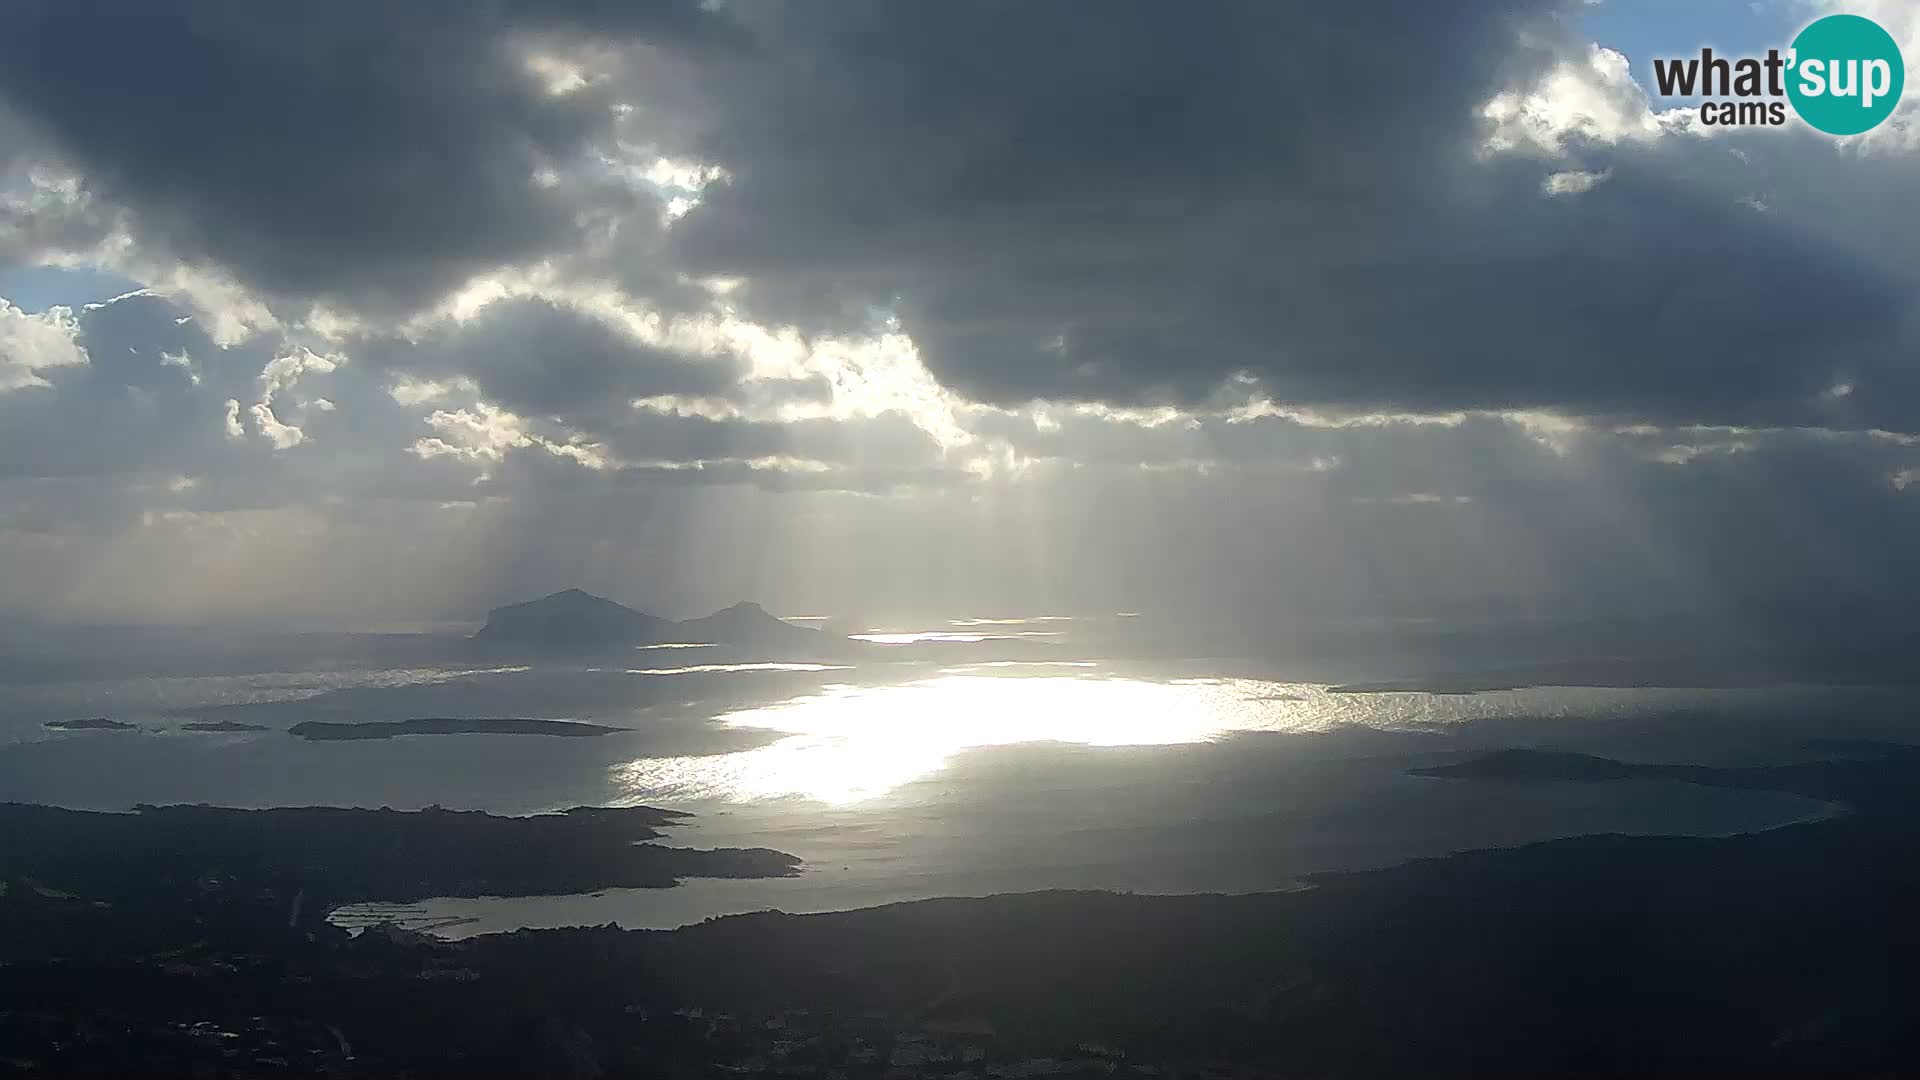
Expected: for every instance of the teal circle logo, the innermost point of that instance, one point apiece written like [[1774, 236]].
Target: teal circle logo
[[1845, 74]]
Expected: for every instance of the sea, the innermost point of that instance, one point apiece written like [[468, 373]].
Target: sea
[[961, 757]]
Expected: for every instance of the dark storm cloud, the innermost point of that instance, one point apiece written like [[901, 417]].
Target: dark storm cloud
[[540, 359], [368, 153], [1116, 203], [1120, 202]]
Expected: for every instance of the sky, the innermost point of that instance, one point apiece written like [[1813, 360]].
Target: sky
[[1249, 311]]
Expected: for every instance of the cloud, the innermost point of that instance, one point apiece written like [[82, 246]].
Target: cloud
[[1120, 208], [278, 376], [482, 433], [1588, 98], [1391, 307], [353, 151], [535, 357], [30, 344], [1573, 182], [1348, 227]]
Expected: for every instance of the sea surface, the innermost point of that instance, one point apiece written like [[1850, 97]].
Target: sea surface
[[965, 758]]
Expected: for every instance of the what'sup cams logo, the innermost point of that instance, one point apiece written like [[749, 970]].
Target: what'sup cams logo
[[1843, 75]]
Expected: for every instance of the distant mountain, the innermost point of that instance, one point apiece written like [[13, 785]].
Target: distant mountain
[[571, 619], [744, 623], [579, 620]]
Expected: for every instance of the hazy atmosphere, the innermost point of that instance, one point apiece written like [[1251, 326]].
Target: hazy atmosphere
[[959, 540]]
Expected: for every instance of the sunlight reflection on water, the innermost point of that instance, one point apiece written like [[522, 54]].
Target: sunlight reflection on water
[[712, 669], [851, 743]]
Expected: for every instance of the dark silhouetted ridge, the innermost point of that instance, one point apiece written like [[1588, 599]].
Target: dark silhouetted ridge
[[574, 619]]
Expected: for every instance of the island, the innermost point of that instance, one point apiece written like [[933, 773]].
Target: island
[[331, 731], [91, 723], [577, 620], [745, 623], [221, 725], [1862, 774]]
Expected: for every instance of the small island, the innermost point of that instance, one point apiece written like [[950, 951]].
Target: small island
[[91, 723], [221, 725], [1872, 775], [328, 731]]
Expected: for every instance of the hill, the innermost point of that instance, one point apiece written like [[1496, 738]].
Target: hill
[[579, 620], [742, 624], [571, 619]]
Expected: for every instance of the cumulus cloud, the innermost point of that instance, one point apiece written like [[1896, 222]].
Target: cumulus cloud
[[482, 433], [277, 378], [1573, 182], [30, 344], [1588, 98]]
